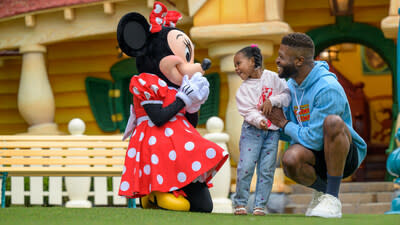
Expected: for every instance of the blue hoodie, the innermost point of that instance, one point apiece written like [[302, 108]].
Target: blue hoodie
[[318, 96]]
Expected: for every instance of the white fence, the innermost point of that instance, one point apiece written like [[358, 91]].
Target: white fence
[[51, 191]]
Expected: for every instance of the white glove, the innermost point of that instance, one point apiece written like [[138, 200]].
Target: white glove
[[203, 85], [195, 90], [130, 126], [185, 90], [193, 108], [204, 92]]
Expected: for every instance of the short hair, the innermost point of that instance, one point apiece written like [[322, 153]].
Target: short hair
[[300, 40], [253, 51]]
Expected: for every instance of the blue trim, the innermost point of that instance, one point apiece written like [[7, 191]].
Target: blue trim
[[398, 65], [3, 189], [392, 212], [132, 203]]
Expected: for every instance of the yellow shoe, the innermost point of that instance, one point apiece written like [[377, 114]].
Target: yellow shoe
[[168, 201], [146, 203]]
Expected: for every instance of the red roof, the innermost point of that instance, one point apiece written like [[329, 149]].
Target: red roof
[[15, 7]]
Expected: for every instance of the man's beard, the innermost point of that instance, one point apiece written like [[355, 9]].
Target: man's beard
[[288, 71]]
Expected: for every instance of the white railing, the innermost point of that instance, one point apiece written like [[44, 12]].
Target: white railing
[[103, 190]]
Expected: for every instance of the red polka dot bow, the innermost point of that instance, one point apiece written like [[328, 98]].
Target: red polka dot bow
[[160, 16]]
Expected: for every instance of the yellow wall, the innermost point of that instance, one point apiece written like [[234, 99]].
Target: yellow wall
[[305, 15], [68, 65], [215, 12], [10, 120], [302, 16]]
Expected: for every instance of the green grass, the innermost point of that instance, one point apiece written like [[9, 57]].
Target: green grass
[[126, 216]]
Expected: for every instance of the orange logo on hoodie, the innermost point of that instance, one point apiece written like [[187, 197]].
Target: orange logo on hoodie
[[304, 112]]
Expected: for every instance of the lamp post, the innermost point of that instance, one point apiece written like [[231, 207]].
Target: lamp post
[[330, 54], [341, 7]]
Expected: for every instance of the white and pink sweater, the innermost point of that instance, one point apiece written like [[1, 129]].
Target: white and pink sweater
[[253, 92]]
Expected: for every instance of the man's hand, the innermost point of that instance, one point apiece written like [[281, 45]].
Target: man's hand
[[266, 107], [276, 117]]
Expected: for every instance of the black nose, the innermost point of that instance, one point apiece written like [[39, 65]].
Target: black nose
[[206, 64]]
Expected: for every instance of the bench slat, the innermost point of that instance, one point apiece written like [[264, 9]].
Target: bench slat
[[63, 171], [63, 161], [53, 144], [67, 152]]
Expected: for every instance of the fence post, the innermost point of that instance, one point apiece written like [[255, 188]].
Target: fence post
[[3, 188], [55, 185], [36, 185], [117, 200], [222, 180], [77, 187], [17, 187]]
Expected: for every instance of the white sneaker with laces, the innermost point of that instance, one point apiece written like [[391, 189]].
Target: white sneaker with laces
[[328, 207], [314, 201]]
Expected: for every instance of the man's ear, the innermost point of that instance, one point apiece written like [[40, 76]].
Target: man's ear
[[299, 61], [132, 33]]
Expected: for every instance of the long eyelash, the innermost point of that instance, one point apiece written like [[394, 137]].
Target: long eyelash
[[187, 43]]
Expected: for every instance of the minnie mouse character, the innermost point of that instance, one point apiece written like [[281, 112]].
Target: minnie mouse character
[[168, 163]]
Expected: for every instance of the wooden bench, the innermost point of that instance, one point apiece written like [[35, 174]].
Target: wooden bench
[[62, 155]]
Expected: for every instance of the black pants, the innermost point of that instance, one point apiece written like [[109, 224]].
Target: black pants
[[349, 168], [199, 197]]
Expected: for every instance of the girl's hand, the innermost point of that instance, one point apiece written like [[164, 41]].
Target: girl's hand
[[266, 107], [263, 125]]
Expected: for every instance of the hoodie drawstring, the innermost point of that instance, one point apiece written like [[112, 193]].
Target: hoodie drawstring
[[298, 108]]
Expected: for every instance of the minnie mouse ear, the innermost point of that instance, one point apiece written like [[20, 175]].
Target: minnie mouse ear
[[132, 33]]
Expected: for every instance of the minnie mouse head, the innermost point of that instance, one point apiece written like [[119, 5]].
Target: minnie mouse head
[[159, 47]]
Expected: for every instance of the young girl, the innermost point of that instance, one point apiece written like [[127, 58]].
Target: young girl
[[259, 138]]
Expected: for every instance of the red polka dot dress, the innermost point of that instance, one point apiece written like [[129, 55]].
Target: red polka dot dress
[[169, 157]]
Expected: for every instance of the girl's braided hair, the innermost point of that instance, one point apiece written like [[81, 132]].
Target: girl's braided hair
[[255, 52]]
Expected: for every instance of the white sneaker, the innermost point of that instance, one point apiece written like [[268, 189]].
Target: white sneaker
[[328, 207], [314, 201]]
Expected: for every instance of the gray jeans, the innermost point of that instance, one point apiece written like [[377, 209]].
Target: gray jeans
[[257, 148]]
